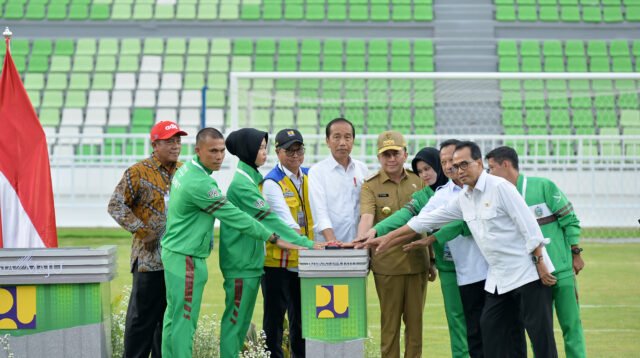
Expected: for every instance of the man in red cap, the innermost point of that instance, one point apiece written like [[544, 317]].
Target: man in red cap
[[138, 204]]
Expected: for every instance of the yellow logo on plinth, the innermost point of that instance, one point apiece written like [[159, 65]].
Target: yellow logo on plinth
[[332, 301], [17, 307]]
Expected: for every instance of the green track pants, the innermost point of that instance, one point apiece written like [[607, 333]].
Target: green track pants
[[568, 312], [455, 314], [185, 277], [240, 299]]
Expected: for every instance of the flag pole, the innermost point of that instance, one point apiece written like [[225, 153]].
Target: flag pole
[[7, 33]]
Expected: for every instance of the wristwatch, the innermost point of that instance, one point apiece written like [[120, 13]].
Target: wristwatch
[[576, 250], [536, 259], [274, 238]]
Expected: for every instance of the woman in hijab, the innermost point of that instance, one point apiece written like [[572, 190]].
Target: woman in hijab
[[241, 257], [426, 164]]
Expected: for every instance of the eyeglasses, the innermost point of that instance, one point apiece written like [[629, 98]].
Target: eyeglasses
[[171, 141], [292, 153], [462, 165]]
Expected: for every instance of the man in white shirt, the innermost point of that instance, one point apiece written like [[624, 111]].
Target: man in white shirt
[[470, 265], [510, 239], [334, 186], [286, 190]]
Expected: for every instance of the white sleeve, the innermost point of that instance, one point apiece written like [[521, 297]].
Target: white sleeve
[[427, 221], [318, 201], [273, 195], [522, 217]]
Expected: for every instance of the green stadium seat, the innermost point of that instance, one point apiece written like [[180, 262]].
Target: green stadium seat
[[173, 64], [577, 64], [228, 11], [102, 81], [49, 117], [35, 11], [309, 63], [39, 63], [128, 63], [356, 47], [287, 63], [531, 64], [505, 13], [336, 12], [559, 118], [220, 46], [622, 64], [332, 63], [529, 48], [315, 12], [105, 63], [612, 14], [130, 47], [196, 64], [507, 48], [423, 64], [422, 47], [422, 12], [272, 12], [569, 14], [52, 99], [333, 47], [381, 64], [288, 47], [79, 81], [142, 11], [549, 14], [60, 63], [355, 64], [214, 81], [402, 13], [207, 11], [632, 13], [294, 12], [359, 13], [599, 64], [628, 101], [83, 63], [400, 64], [554, 64], [218, 64], [250, 12], [602, 85], [34, 81], [56, 12], [527, 13], [14, 11], [108, 46], [164, 12], [176, 46], [76, 99], [56, 81], [591, 14], [153, 46], [63, 47]]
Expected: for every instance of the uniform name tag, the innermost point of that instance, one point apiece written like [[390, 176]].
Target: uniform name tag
[[288, 194], [383, 195]]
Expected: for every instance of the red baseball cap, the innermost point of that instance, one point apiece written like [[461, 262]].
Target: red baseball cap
[[165, 130]]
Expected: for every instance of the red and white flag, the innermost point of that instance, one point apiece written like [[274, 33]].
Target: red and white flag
[[27, 215]]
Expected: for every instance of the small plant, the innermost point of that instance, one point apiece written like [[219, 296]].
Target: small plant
[[206, 343], [118, 319], [255, 345]]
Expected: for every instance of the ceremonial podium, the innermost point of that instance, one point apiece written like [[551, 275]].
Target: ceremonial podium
[[333, 287], [56, 302]]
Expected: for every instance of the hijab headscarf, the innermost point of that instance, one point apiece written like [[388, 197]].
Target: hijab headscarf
[[430, 156], [245, 144]]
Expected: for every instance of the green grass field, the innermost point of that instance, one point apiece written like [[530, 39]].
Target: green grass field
[[609, 295]]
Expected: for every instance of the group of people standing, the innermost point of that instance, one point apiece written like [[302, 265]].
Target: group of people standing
[[500, 274]]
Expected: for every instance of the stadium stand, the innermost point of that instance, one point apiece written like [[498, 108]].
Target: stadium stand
[[573, 11]]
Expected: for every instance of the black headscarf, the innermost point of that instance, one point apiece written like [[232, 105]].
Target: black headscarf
[[430, 156], [245, 144]]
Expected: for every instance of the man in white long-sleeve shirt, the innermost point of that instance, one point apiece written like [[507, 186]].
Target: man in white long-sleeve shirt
[[334, 186], [509, 238], [286, 190]]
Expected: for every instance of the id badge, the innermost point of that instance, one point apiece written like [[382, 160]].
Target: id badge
[[302, 222], [446, 255]]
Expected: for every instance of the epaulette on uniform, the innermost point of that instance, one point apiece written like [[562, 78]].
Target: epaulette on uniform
[[371, 176]]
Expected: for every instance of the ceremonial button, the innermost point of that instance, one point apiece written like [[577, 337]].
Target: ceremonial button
[[386, 210]]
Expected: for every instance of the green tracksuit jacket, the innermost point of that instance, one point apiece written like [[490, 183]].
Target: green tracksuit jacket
[[194, 204], [239, 257], [556, 218]]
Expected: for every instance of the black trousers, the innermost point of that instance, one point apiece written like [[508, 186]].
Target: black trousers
[[473, 296], [281, 292], [143, 326], [530, 303]]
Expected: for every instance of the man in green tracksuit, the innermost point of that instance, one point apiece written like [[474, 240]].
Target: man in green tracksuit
[[242, 259], [195, 203], [559, 223]]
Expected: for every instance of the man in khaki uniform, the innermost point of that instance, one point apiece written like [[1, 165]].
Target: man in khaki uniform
[[400, 278]]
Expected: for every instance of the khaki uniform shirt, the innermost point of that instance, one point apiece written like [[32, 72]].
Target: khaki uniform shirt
[[381, 197]]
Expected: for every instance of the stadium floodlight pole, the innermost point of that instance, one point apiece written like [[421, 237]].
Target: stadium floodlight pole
[[234, 77]]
